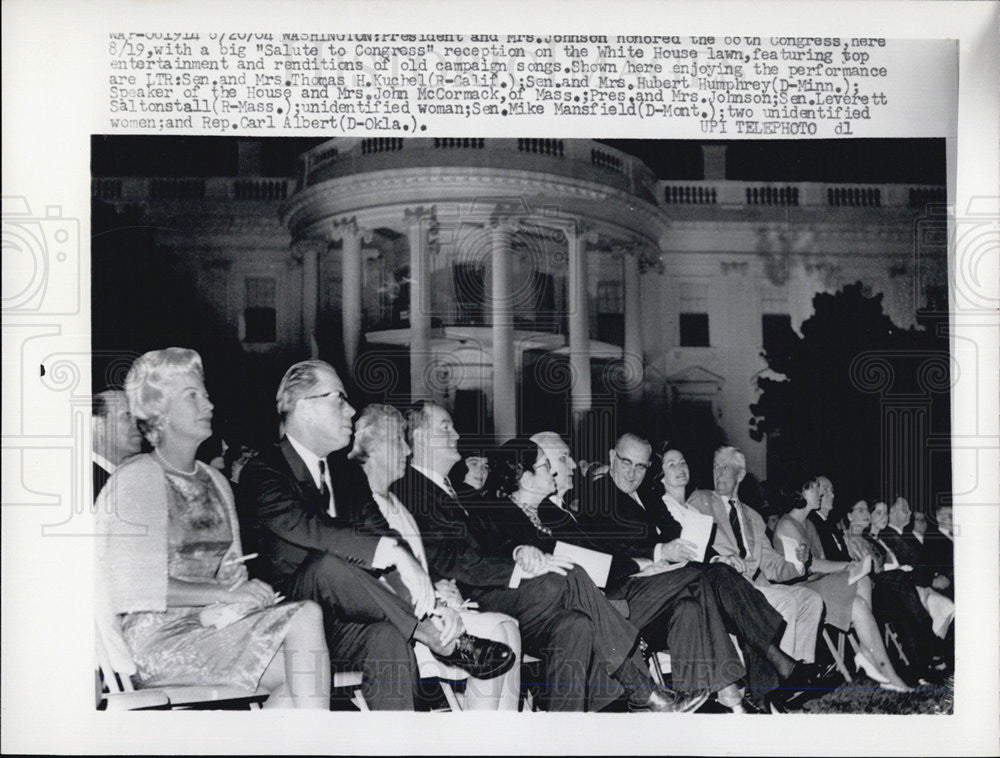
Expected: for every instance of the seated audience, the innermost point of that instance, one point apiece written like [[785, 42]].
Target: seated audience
[[114, 435], [469, 474], [189, 614], [848, 604], [899, 537], [939, 551], [313, 532], [740, 539], [645, 538], [382, 451], [894, 597], [590, 652]]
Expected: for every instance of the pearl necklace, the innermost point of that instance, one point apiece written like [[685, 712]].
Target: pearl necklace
[[172, 467], [532, 514]]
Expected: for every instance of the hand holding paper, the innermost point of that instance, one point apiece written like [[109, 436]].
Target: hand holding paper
[[791, 547], [697, 529]]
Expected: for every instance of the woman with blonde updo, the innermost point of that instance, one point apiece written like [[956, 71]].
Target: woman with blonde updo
[[171, 563]]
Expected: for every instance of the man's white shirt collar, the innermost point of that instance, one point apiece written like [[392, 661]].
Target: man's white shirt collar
[[898, 529], [435, 477], [309, 458], [104, 463]]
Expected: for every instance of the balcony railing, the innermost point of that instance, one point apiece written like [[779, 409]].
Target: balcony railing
[[576, 158], [543, 155], [189, 189], [737, 195]]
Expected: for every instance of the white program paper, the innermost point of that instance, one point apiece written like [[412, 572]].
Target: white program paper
[[595, 563], [697, 528], [790, 544]]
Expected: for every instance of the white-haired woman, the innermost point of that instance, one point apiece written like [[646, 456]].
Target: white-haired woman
[[380, 448], [170, 558]]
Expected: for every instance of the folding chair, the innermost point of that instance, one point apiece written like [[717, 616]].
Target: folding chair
[[117, 667], [352, 680], [529, 696], [123, 696], [431, 668], [892, 637], [837, 651]]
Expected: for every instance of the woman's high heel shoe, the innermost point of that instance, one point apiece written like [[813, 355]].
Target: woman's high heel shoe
[[862, 663]]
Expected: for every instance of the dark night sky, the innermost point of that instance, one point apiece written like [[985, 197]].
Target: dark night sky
[[916, 161]]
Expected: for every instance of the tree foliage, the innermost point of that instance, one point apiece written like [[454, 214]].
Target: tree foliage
[[819, 417]]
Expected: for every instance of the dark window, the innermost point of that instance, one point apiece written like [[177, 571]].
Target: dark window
[[776, 329], [694, 330], [610, 298], [470, 293], [610, 313], [259, 316], [611, 328]]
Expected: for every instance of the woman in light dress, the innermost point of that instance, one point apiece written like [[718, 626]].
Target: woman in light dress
[[169, 558], [848, 605]]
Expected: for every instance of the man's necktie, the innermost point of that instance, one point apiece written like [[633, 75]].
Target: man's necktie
[[451, 490], [324, 489], [734, 522]]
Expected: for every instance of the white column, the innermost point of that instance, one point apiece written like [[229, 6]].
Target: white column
[[351, 294], [504, 369], [633, 324], [310, 250], [420, 302], [579, 321]]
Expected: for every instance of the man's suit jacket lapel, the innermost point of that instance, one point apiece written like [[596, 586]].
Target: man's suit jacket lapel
[[311, 496]]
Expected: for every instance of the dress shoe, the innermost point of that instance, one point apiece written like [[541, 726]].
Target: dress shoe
[[862, 663], [803, 677], [481, 658], [747, 705], [662, 700], [805, 682]]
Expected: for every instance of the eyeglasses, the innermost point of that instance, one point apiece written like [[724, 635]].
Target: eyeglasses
[[338, 395], [630, 464]]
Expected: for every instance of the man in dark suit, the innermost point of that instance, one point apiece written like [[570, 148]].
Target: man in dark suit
[[902, 543], [898, 537], [939, 552], [315, 541], [114, 435], [589, 650], [640, 534]]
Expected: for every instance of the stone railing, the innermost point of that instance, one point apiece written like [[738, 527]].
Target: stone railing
[[580, 159], [190, 189], [734, 195]]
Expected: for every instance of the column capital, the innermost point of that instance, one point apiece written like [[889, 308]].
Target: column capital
[[504, 224], [420, 214], [304, 246], [344, 226], [650, 260], [583, 232]]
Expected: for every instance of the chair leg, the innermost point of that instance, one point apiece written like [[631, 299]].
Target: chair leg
[[358, 700], [450, 696], [891, 636], [837, 651]]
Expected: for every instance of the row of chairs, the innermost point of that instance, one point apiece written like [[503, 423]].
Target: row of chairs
[[119, 692]]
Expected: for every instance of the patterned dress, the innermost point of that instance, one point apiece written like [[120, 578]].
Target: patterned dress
[[175, 646]]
